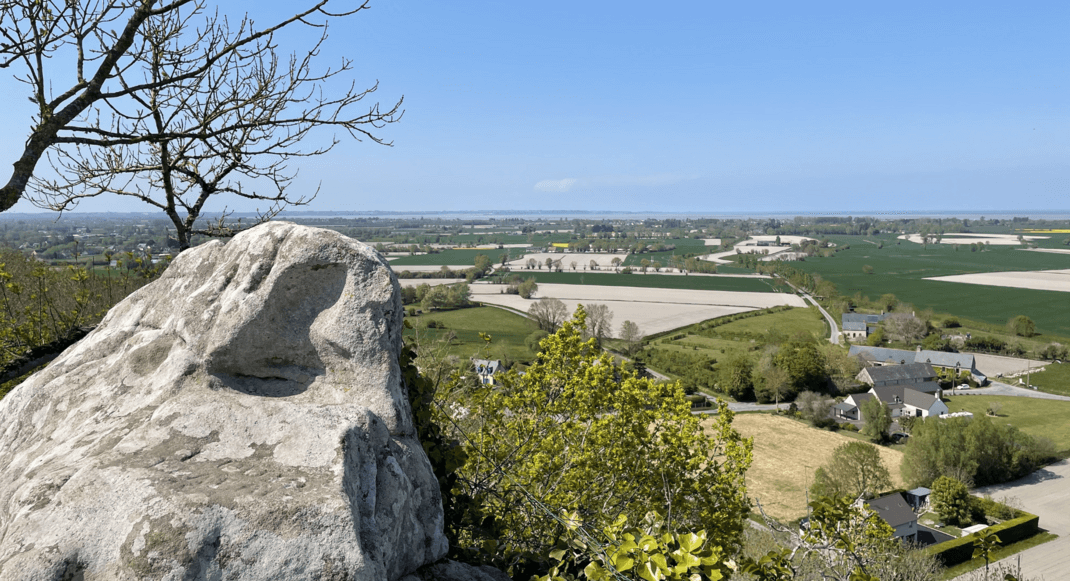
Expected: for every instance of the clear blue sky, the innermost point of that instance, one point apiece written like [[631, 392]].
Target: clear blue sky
[[699, 106]]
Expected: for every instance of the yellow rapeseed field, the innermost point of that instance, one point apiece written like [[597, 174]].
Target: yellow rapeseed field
[[786, 453]]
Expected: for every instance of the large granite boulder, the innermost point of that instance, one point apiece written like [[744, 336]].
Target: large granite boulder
[[243, 417]]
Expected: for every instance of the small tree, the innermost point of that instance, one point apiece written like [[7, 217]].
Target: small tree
[[599, 321], [1022, 326], [867, 269], [878, 418], [855, 470], [736, 377], [527, 288], [631, 335], [815, 408], [548, 313], [951, 500]]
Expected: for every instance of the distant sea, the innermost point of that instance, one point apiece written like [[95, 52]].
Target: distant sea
[[1062, 214]]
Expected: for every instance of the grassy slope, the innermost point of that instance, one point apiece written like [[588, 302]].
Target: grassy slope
[[507, 330], [651, 281], [1054, 379], [786, 454], [1036, 417], [900, 269], [786, 323]]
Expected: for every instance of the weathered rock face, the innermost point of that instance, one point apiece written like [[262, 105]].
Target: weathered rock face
[[241, 418]]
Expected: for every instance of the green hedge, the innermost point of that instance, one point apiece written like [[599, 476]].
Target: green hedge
[[960, 550]]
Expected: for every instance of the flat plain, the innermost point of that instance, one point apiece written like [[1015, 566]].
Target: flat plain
[[1051, 280], [901, 268], [654, 309], [1036, 417]]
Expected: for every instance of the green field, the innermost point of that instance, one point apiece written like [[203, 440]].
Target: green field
[[507, 330], [755, 285], [1036, 417], [745, 336], [684, 246], [900, 269], [464, 256], [1054, 379]]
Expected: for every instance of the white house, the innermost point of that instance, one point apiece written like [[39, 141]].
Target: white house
[[902, 401], [919, 376]]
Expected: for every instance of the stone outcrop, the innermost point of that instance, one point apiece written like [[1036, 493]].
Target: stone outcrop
[[242, 417]]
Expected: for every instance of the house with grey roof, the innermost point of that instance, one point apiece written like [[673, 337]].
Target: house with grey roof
[[486, 369], [897, 513], [883, 356], [902, 401], [855, 326], [919, 376]]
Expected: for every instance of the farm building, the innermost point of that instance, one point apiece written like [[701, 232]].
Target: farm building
[[856, 326], [878, 356], [919, 376], [902, 402]]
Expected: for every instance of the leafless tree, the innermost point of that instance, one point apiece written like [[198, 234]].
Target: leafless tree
[[548, 313], [599, 321], [178, 106]]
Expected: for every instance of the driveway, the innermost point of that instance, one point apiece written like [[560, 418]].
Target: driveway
[[1000, 388], [1046, 493]]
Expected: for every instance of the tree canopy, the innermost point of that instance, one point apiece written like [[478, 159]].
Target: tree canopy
[[578, 433]]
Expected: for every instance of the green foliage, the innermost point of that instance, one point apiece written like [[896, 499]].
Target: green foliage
[[951, 500], [878, 418], [805, 367], [985, 452], [735, 378], [960, 550], [1022, 326], [855, 470], [578, 433], [445, 296], [532, 341], [41, 306], [650, 552]]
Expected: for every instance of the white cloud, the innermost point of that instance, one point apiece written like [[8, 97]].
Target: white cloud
[[556, 185]]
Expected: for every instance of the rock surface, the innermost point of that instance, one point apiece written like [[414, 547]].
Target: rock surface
[[242, 417]]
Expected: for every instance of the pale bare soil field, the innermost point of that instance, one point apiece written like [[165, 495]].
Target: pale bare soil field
[[653, 309], [750, 246], [712, 241], [1052, 280], [1048, 250], [786, 454], [959, 238]]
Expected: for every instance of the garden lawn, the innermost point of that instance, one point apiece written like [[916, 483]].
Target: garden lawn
[[901, 267], [507, 330], [1036, 417], [754, 285], [786, 454]]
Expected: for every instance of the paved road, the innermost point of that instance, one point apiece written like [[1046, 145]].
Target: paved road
[[834, 338], [1045, 492]]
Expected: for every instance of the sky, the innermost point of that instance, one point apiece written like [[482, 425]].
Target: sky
[[693, 107]]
